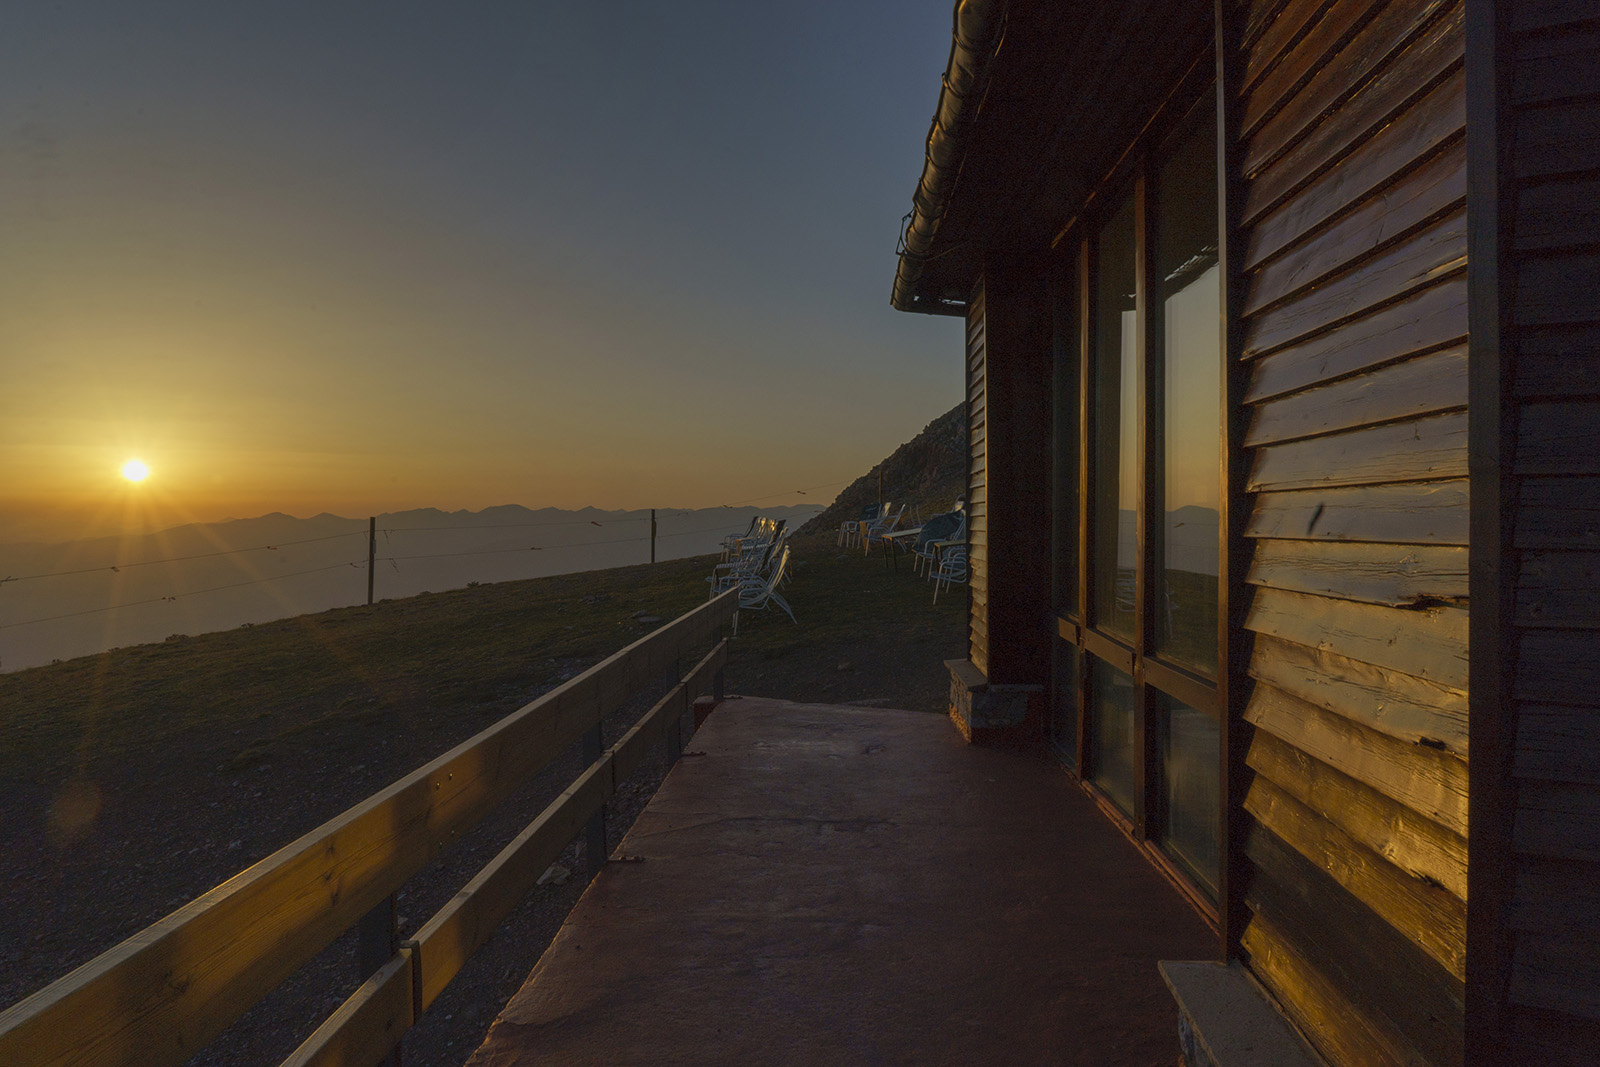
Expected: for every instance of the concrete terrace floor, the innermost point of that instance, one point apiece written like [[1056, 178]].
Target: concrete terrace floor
[[816, 884]]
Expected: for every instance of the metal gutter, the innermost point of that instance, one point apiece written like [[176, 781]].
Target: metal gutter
[[979, 27]]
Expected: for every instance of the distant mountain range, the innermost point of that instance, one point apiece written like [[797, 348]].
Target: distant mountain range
[[77, 598]]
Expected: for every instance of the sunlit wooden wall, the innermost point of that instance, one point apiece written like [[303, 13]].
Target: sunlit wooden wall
[[1353, 304]]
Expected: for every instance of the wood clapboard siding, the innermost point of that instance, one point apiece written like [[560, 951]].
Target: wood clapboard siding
[[977, 484], [1353, 324], [1553, 400]]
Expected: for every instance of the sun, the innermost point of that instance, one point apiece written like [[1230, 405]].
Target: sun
[[135, 471]]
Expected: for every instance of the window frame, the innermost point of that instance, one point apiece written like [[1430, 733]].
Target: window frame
[[1140, 658]]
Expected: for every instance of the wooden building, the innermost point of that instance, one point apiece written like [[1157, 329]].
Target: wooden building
[[1283, 369]]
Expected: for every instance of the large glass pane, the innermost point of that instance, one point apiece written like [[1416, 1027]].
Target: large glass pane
[[1064, 702], [1113, 741], [1186, 256], [1192, 833], [1064, 505], [1116, 426]]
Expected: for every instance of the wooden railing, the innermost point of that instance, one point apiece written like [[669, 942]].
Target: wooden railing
[[160, 996]]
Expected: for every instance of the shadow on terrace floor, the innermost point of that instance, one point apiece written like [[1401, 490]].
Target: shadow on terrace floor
[[823, 884]]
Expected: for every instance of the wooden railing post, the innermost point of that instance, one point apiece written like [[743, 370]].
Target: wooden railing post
[[674, 738], [675, 724], [377, 941], [595, 834]]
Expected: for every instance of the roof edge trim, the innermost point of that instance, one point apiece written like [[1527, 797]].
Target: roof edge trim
[[978, 29]]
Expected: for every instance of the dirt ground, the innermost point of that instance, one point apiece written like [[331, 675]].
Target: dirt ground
[[154, 823]]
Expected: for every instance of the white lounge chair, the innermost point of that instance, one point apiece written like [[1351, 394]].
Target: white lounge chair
[[757, 593], [952, 569]]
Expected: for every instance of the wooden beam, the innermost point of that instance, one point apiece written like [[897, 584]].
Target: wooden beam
[[444, 943], [1490, 448], [1233, 550], [367, 1026]]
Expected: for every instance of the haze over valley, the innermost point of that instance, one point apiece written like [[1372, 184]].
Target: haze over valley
[[65, 599]]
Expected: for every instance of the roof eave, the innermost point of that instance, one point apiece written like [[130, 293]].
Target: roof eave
[[979, 28]]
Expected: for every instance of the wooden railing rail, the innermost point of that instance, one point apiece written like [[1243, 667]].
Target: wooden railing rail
[[160, 996]]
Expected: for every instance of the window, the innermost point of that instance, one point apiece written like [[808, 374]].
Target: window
[[1116, 421], [1137, 633], [1191, 396]]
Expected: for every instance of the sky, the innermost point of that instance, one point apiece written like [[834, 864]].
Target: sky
[[363, 257]]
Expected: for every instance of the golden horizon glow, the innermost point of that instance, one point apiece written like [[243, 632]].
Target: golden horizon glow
[[135, 470]]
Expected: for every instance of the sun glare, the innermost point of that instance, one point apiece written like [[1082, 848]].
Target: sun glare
[[135, 471]]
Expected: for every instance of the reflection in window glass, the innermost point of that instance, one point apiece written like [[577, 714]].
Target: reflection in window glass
[[1186, 256], [1113, 741], [1116, 426], [1190, 746], [1064, 702], [1064, 537]]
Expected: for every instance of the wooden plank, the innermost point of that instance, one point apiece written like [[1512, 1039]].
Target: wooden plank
[[1316, 49], [1432, 919], [632, 747], [1558, 744], [1563, 138], [1555, 895], [1559, 436], [158, 997], [1558, 667], [1393, 575], [1428, 643], [448, 939], [1413, 843], [1557, 288], [1557, 66], [1340, 1031], [1552, 1039], [1558, 819], [1429, 782], [1558, 513], [1278, 34], [1407, 708], [1414, 513], [1275, 217], [1548, 14], [1372, 963], [1422, 386], [1559, 362], [1426, 449], [1430, 253], [1559, 590], [1557, 971], [702, 677], [1436, 187], [1428, 127], [445, 942], [1395, 59], [1430, 319], [1558, 214], [366, 1027]]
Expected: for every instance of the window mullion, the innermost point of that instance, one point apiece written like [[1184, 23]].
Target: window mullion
[[1086, 289], [1145, 390]]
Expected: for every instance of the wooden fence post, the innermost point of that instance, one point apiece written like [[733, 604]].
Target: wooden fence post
[[372, 553], [595, 834], [377, 940]]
